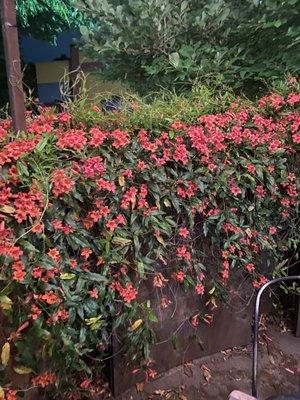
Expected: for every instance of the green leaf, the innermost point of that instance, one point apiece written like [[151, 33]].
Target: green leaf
[[171, 134], [22, 370], [152, 317], [174, 59], [141, 268], [121, 241], [22, 168], [96, 277], [174, 340], [67, 276], [42, 144], [28, 246]]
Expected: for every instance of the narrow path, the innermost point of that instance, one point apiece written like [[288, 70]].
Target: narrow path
[[214, 377]]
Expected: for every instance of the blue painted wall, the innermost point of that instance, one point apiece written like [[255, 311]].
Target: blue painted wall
[[49, 92], [34, 51]]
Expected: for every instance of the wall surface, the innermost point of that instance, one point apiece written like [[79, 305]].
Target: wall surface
[[231, 327]]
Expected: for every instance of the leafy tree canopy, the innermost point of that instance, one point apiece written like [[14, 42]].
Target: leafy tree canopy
[[44, 19], [172, 42]]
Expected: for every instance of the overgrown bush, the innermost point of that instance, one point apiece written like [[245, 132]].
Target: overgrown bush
[[88, 213], [154, 43]]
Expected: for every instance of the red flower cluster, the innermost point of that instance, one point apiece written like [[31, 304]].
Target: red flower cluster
[[9, 250], [179, 276], [28, 205], [92, 167], [59, 226], [44, 274], [61, 183], [112, 224], [97, 137], [103, 184], [73, 139], [50, 298], [18, 271], [44, 380], [129, 197], [181, 154], [14, 150], [182, 252], [120, 138], [128, 293]]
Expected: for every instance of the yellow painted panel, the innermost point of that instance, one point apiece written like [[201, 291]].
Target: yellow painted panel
[[52, 71]]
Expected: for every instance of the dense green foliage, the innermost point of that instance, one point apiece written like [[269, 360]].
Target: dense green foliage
[[94, 206], [45, 19], [170, 43]]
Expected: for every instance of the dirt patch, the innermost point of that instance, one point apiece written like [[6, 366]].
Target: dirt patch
[[214, 377]]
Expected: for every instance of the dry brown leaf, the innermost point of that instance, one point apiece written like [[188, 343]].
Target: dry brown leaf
[[121, 180], [206, 372], [187, 369], [8, 209], [272, 361], [139, 386], [159, 392], [136, 324]]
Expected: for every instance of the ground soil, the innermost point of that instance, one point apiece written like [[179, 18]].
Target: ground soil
[[215, 376]]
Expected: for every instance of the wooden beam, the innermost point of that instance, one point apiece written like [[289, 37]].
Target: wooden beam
[[74, 66], [13, 63], [297, 316]]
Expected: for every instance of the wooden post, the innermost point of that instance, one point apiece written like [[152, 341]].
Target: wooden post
[[13, 63], [74, 70], [297, 322]]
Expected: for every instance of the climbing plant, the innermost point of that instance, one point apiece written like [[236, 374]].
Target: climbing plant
[[89, 213]]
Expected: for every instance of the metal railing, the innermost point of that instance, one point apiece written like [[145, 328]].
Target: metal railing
[[256, 326]]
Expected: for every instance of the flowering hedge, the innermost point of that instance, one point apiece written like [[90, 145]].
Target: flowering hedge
[[88, 214]]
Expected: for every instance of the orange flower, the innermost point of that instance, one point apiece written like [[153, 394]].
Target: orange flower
[[44, 380], [94, 293], [11, 395], [35, 312], [151, 373], [86, 252], [37, 228], [18, 271], [73, 263], [184, 232], [199, 289], [54, 254], [50, 298]]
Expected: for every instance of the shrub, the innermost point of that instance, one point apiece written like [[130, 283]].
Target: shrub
[[167, 43], [87, 214], [153, 112]]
